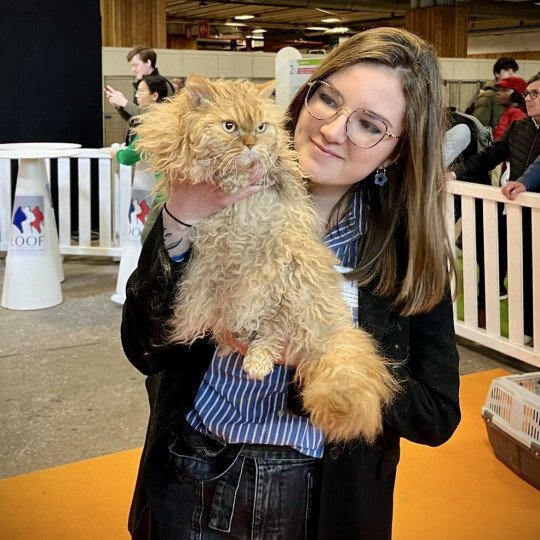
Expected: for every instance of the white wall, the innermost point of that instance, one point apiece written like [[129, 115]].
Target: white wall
[[259, 65], [180, 63]]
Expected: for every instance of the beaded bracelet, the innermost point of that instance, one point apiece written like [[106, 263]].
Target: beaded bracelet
[[175, 218]]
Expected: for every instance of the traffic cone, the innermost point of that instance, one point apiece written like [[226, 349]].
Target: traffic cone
[[134, 220], [31, 279]]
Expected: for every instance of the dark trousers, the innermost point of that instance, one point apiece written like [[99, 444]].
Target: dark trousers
[[211, 491]]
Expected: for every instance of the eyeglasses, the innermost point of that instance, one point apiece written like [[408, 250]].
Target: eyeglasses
[[532, 93], [364, 129]]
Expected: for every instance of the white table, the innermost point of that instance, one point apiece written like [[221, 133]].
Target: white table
[[33, 263]]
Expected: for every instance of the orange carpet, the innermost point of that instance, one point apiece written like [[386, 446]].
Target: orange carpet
[[459, 491]]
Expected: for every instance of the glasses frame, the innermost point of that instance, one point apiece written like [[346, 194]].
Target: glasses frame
[[530, 94], [311, 84]]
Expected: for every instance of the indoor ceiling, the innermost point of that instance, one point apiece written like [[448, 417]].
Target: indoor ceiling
[[300, 22]]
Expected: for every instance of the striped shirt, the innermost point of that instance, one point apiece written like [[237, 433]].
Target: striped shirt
[[233, 408]]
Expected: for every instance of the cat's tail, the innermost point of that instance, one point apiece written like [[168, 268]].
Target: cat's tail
[[347, 390]]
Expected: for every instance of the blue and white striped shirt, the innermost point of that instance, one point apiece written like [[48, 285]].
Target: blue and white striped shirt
[[233, 408]]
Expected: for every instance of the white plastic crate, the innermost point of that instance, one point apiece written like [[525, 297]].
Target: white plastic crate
[[513, 405]]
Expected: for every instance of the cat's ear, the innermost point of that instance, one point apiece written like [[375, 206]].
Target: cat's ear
[[266, 89], [199, 89]]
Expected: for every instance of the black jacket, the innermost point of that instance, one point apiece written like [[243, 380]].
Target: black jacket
[[520, 144], [358, 480]]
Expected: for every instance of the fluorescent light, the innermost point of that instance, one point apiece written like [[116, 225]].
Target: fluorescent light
[[330, 20], [319, 28], [258, 31], [235, 24], [244, 17], [337, 30]]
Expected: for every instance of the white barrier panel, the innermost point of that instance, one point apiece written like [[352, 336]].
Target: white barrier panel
[[516, 344], [79, 240]]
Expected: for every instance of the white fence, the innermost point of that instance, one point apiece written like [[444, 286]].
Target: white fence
[[114, 194], [114, 197], [492, 336]]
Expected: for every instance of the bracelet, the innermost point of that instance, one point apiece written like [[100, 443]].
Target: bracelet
[[175, 218]]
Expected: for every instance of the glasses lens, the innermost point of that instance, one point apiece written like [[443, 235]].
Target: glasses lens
[[322, 101], [365, 130], [532, 93]]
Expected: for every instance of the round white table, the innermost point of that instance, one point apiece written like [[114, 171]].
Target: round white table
[[33, 263]]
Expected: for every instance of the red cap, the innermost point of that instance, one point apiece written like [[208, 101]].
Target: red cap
[[515, 83]]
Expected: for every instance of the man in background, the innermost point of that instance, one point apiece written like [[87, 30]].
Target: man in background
[[143, 62]]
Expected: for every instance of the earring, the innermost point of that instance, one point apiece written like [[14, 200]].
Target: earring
[[380, 176]]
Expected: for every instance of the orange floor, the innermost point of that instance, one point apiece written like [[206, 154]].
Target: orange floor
[[459, 491]]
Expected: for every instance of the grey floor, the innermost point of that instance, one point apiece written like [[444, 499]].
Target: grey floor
[[67, 391]]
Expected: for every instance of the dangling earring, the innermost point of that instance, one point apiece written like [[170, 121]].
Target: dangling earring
[[380, 176]]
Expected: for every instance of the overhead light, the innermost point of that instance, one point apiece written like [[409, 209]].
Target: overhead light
[[337, 30], [235, 24], [330, 20], [244, 17], [258, 31], [317, 28]]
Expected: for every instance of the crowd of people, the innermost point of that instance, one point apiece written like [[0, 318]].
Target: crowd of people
[[383, 207]]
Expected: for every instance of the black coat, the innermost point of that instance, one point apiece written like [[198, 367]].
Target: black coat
[[520, 144], [357, 480]]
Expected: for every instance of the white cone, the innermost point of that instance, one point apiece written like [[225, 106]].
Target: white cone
[[133, 219], [31, 278]]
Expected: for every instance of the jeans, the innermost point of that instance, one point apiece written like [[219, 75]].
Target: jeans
[[212, 491]]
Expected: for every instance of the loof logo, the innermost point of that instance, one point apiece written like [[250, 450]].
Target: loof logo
[[138, 211], [28, 220]]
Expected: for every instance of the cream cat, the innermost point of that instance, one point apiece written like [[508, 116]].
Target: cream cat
[[259, 271]]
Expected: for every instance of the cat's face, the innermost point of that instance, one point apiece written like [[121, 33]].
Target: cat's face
[[233, 128]]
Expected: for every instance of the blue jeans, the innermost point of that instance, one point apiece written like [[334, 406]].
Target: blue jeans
[[212, 491]]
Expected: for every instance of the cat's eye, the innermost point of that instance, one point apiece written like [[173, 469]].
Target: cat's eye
[[261, 128], [229, 126]]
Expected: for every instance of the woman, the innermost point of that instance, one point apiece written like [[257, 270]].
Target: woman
[[383, 201], [151, 89], [509, 96]]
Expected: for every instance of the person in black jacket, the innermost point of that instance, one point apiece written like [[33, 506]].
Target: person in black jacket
[[368, 128], [520, 145]]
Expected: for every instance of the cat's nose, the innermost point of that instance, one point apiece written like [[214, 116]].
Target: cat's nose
[[249, 141]]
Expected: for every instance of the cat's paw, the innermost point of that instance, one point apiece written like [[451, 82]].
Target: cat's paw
[[258, 365]]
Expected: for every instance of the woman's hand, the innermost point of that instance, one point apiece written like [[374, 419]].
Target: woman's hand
[[192, 202]]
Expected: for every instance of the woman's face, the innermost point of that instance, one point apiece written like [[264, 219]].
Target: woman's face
[[325, 151], [144, 96]]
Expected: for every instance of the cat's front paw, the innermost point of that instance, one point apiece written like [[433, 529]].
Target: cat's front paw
[[258, 365]]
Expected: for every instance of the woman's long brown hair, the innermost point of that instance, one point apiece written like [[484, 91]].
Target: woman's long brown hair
[[408, 213]]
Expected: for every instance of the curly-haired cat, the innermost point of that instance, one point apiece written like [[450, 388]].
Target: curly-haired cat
[[259, 270]]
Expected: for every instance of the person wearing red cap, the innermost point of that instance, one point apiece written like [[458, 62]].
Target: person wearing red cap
[[509, 96]]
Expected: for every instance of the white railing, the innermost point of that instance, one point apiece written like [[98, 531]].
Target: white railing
[[114, 192], [467, 326], [114, 187]]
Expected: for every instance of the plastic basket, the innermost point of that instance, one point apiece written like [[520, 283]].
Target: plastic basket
[[512, 417]]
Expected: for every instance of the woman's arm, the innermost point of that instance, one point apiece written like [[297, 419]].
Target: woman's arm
[[426, 411], [150, 294]]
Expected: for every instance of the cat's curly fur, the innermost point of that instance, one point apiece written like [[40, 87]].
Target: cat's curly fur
[[259, 270]]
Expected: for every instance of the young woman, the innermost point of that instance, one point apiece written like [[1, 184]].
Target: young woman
[[368, 129], [151, 89]]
